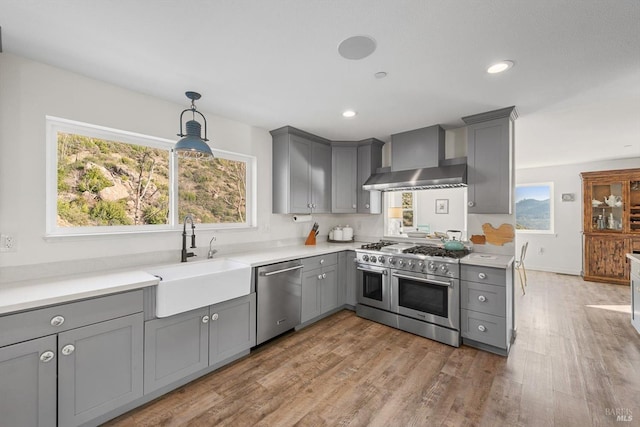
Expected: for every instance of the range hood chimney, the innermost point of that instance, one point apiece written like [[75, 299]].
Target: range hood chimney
[[418, 163]]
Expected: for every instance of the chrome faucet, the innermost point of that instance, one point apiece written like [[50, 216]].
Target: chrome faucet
[[186, 254], [211, 251]]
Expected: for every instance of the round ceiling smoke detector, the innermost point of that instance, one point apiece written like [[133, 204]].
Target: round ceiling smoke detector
[[357, 47]]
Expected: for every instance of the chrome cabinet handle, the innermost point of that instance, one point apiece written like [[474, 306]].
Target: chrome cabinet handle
[[324, 275], [482, 298], [482, 276], [205, 319], [322, 261], [214, 316], [57, 321], [366, 206], [47, 356], [353, 206], [471, 204], [68, 349], [481, 328], [319, 276]]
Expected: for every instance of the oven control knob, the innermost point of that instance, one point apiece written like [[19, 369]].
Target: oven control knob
[[444, 268], [392, 260], [420, 265], [372, 258], [432, 266], [381, 259], [365, 257], [400, 262], [410, 264]]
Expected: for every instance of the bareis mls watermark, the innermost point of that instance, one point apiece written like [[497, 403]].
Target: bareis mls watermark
[[620, 414]]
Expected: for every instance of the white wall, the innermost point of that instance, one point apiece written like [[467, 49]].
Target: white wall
[[561, 252], [30, 90]]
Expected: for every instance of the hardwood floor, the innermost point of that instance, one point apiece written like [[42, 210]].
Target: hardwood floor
[[576, 361]]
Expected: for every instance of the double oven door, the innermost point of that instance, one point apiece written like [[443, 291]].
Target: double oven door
[[426, 297], [373, 286]]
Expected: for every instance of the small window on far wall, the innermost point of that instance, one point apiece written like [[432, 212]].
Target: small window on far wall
[[534, 208]]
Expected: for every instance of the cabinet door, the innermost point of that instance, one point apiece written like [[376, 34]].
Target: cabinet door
[[344, 168], [321, 177], [350, 279], [605, 258], [300, 174], [328, 288], [635, 301], [489, 167], [175, 347], [232, 329], [310, 297], [99, 368], [28, 383], [369, 159]]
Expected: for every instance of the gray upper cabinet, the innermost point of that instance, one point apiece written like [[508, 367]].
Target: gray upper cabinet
[[28, 383], [369, 160], [344, 182], [490, 161], [301, 172]]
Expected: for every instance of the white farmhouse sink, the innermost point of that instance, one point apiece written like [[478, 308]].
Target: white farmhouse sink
[[187, 286]]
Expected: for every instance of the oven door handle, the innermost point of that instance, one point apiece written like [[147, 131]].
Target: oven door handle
[[369, 270], [417, 279]]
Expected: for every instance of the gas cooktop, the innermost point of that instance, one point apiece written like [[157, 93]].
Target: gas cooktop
[[413, 249]]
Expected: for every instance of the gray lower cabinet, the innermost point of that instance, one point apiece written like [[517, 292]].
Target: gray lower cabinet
[[28, 383], [301, 172], [175, 347], [94, 348], [347, 276], [490, 161], [320, 286], [187, 343], [486, 307], [99, 368], [232, 328], [344, 181]]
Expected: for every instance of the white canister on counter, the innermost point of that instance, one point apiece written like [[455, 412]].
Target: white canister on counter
[[347, 233], [337, 233]]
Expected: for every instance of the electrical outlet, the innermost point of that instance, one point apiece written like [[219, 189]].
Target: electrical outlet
[[540, 251], [8, 243]]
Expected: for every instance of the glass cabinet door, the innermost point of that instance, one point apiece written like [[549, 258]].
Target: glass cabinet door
[[634, 207], [607, 207]]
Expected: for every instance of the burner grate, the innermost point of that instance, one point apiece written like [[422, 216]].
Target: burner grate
[[437, 251], [376, 246]]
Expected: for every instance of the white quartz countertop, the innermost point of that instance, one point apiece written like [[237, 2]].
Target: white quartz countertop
[[286, 253], [488, 260], [38, 293], [634, 257]]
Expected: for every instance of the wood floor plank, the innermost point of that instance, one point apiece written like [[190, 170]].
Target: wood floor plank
[[571, 364]]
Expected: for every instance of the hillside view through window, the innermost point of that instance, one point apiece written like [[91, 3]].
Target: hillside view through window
[[534, 204]]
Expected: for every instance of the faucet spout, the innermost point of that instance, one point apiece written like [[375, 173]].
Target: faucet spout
[[212, 251], [186, 254]]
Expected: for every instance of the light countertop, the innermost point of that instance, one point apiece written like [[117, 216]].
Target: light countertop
[[38, 293], [488, 260], [634, 257], [286, 253]]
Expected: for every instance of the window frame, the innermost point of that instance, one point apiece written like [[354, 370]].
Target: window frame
[[57, 124], [551, 229]]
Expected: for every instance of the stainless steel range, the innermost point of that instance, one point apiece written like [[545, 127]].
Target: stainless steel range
[[411, 287]]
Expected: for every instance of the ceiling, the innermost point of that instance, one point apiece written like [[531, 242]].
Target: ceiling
[[269, 63]]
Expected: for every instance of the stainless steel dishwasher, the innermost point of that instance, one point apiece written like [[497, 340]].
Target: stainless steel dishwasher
[[279, 293]]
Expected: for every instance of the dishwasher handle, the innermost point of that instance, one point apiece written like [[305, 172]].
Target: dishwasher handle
[[284, 270]]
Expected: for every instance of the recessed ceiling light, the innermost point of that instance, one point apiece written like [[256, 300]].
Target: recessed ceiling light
[[380, 74], [499, 67], [356, 47], [347, 114]]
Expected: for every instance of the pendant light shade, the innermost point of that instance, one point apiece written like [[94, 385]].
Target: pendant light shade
[[192, 144]]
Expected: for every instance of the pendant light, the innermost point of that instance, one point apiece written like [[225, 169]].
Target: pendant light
[[192, 145]]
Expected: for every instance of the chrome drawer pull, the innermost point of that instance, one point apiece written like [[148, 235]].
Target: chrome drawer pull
[[205, 319], [57, 321], [482, 276], [481, 328], [68, 349], [482, 298], [47, 356], [214, 316]]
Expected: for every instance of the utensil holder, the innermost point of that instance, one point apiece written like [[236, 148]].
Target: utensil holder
[[311, 239]]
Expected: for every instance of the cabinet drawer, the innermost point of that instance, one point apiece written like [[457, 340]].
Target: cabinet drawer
[[37, 323], [474, 273], [483, 298], [319, 261], [483, 328]]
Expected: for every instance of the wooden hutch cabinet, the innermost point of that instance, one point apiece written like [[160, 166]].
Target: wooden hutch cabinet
[[611, 223]]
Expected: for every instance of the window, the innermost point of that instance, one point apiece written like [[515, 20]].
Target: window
[[534, 208], [103, 180]]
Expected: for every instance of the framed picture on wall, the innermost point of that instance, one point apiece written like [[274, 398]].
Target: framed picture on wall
[[442, 206]]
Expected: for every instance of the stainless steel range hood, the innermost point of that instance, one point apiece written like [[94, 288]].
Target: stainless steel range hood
[[451, 176]]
